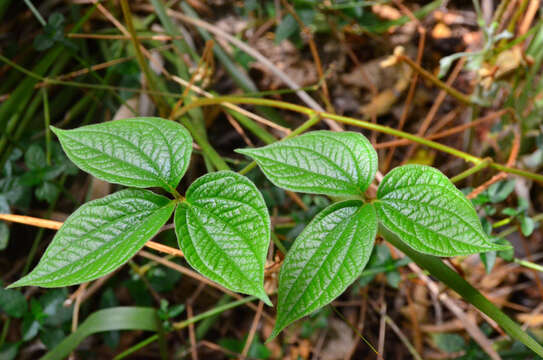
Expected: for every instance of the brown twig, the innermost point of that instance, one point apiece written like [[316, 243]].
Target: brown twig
[[198, 277], [314, 54], [158, 37], [435, 106], [452, 131], [190, 314], [470, 326], [79, 296], [414, 80], [529, 17], [501, 175], [239, 129], [208, 48], [463, 98], [252, 331]]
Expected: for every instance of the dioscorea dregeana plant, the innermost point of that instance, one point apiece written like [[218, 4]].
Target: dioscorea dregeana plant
[[222, 223]]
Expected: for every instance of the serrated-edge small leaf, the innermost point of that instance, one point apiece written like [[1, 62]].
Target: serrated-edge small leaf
[[223, 228], [423, 207], [319, 162], [325, 259], [140, 152], [99, 237]]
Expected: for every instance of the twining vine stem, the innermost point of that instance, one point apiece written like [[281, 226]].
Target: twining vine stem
[[362, 124]]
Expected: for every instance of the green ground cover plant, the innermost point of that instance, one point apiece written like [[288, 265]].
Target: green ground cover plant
[[223, 226]]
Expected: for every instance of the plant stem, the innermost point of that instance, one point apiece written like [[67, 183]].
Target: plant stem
[[182, 324], [403, 338], [454, 281], [5, 329], [362, 124], [219, 309], [463, 98], [313, 119], [480, 166], [47, 120], [207, 149], [136, 347], [36, 13], [528, 264], [248, 168], [139, 56], [278, 243], [514, 228]]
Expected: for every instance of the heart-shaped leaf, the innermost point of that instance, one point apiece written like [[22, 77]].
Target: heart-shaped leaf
[[319, 162], [325, 259], [423, 207], [99, 237], [223, 228], [140, 152]]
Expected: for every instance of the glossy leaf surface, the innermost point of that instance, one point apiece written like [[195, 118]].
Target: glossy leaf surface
[[325, 259], [421, 205], [319, 162], [140, 152], [99, 237], [223, 228]]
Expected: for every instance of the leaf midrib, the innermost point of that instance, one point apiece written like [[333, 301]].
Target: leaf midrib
[[450, 212], [435, 234], [109, 222], [334, 165], [349, 218], [131, 233], [226, 257], [149, 160]]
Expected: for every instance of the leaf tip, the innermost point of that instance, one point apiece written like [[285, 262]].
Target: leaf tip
[[55, 130], [276, 331], [246, 151], [501, 247], [265, 298], [18, 283]]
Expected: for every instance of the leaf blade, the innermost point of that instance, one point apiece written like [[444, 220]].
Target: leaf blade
[[139, 152], [99, 237], [223, 228], [422, 206], [324, 260], [116, 318], [319, 162]]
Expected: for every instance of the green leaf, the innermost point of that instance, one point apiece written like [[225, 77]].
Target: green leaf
[[140, 152], [527, 225], [325, 259], [4, 236], [499, 191], [257, 350], [421, 205], [287, 27], [223, 228], [12, 302], [319, 162], [47, 191], [99, 237], [449, 343], [35, 157], [8, 351], [117, 318], [51, 337]]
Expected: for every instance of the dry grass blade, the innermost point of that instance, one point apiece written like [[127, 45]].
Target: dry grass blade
[[470, 326], [261, 58]]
